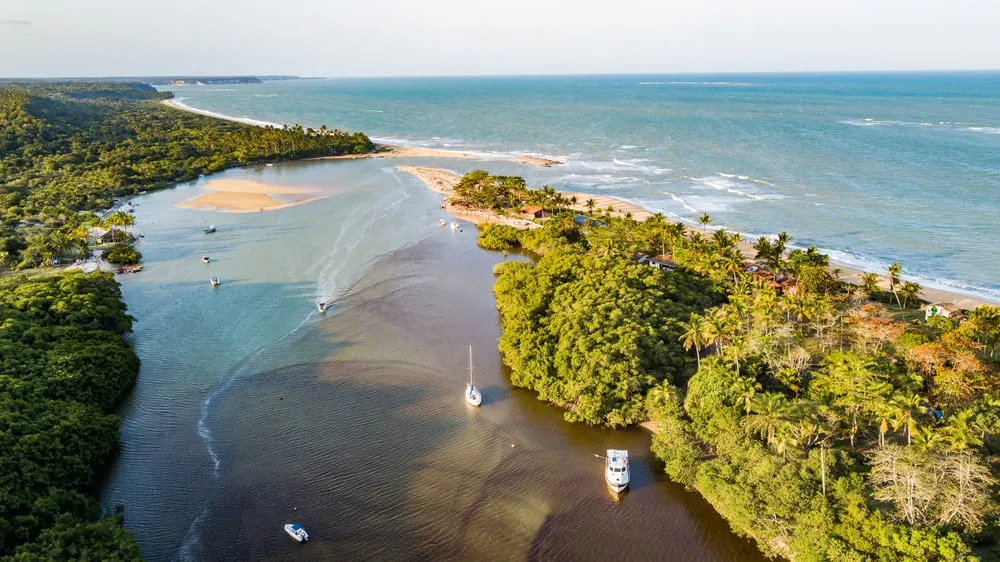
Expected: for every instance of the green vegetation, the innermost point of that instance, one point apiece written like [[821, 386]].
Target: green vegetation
[[73, 146], [64, 365], [123, 253], [808, 414]]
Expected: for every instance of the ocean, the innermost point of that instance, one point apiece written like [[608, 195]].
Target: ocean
[[870, 168]]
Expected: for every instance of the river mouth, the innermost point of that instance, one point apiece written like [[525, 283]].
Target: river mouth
[[352, 423]]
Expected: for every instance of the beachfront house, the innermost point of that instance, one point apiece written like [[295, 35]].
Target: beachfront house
[[98, 235], [663, 262], [535, 212], [945, 309]]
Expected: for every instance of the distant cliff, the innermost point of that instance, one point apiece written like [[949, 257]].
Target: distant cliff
[[201, 80]]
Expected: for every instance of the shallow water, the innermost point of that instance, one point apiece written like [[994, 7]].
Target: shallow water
[[253, 410]]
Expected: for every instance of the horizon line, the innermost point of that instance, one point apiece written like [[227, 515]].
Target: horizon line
[[138, 77]]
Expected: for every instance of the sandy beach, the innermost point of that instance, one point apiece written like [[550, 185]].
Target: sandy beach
[[245, 196], [443, 181]]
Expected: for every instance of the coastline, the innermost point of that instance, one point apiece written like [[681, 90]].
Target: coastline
[[384, 150], [443, 181], [849, 273]]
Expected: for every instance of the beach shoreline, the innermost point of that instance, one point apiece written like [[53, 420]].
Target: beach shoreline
[[849, 273], [443, 181]]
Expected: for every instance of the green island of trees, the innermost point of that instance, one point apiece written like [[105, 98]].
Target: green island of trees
[[68, 148], [822, 419], [64, 365]]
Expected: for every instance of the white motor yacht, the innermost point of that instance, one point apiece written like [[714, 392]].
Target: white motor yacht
[[616, 470], [296, 531]]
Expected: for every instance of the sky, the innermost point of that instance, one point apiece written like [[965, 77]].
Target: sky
[[45, 38]]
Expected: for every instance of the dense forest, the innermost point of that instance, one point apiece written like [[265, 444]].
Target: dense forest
[[67, 147], [64, 365], [825, 420]]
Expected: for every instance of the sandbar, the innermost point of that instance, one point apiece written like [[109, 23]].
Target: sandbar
[[246, 196]]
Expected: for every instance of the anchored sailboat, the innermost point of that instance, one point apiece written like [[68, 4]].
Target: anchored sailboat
[[472, 395]]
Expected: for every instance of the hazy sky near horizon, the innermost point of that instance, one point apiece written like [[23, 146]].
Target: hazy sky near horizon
[[456, 37]]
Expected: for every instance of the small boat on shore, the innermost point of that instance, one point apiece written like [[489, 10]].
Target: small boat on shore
[[214, 281], [209, 229], [205, 259], [296, 531], [472, 395], [616, 470], [321, 306]]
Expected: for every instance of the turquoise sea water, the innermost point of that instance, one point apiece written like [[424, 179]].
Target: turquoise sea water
[[871, 168]]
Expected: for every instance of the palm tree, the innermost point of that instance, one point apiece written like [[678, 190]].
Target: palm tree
[[927, 439], [694, 335], [767, 414], [909, 290], [883, 415], [747, 387], [960, 433], [894, 271], [905, 410], [869, 282], [705, 219], [590, 204]]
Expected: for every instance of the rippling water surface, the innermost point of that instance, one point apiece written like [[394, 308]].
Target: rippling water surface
[[253, 410]]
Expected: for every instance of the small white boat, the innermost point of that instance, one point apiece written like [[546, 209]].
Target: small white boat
[[214, 281], [616, 470], [472, 395], [321, 306], [205, 259], [209, 229], [455, 225], [442, 222], [296, 531], [269, 164]]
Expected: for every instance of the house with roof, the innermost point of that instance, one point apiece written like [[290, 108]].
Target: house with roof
[[663, 262], [98, 235], [535, 211]]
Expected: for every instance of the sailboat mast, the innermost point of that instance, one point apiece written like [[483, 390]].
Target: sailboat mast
[[470, 364]]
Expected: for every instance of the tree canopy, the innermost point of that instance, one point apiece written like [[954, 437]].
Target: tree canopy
[[64, 366]]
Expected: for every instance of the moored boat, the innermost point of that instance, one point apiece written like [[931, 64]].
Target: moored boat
[[321, 306], [442, 222], [209, 229], [205, 259], [214, 281], [616, 470], [296, 531], [455, 225], [472, 394]]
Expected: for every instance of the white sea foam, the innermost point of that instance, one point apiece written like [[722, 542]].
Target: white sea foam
[[680, 200], [693, 83], [627, 147], [178, 102], [265, 95], [987, 130]]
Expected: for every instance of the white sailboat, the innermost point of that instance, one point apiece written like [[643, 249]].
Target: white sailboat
[[616, 470], [472, 395]]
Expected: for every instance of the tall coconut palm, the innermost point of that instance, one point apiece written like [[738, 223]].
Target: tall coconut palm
[[590, 204], [705, 219], [895, 270], [693, 335], [905, 410]]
